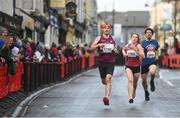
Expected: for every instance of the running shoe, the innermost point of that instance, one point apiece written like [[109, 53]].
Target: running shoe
[[147, 96], [106, 100], [131, 100], [152, 85]]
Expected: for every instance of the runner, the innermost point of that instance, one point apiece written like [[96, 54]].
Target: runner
[[149, 63], [106, 48], [133, 52]]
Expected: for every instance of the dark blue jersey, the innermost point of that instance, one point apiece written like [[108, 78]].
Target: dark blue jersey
[[150, 48]]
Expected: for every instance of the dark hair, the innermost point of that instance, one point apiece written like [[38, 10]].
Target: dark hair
[[150, 29], [137, 35]]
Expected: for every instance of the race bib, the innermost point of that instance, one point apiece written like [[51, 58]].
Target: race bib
[[108, 48], [151, 54], [131, 53]]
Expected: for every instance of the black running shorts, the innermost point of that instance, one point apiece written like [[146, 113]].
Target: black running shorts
[[134, 69], [145, 68], [105, 68]]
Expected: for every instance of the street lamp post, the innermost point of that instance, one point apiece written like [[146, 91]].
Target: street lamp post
[[14, 7], [134, 21], [175, 14], [113, 21], [113, 18]]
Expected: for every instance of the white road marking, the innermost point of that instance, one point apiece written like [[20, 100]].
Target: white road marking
[[161, 77], [168, 82]]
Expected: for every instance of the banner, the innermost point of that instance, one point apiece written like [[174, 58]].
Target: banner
[[58, 4]]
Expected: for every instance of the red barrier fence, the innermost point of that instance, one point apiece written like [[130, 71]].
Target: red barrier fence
[[3, 80], [171, 61], [10, 83], [30, 76]]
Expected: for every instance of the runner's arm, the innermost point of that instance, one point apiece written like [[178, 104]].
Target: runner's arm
[[96, 43], [140, 51], [115, 46], [157, 51], [124, 52]]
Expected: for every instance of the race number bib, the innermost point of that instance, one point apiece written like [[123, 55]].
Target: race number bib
[[151, 54], [131, 53], [108, 48]]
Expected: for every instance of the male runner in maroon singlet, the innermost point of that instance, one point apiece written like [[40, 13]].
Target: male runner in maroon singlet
[[133, 52], [107, 49]]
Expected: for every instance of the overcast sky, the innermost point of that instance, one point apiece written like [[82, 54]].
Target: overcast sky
[[123, 5]]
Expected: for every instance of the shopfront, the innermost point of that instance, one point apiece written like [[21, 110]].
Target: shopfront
[[11, 24]]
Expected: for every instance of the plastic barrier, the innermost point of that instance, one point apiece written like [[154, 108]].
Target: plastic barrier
[[83, 62], [3, 80], [174, 61], [14, 83], [170, 61], [91, 61], [164, 61], [63, 66]]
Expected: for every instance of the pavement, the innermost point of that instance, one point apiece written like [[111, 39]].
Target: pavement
[[82, 96]]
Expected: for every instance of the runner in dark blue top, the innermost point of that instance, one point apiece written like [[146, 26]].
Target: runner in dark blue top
[[149, 63]]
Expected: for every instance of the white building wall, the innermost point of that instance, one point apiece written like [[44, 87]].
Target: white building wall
[[80, 10], [6, 6], [47, 36], [40, 6]]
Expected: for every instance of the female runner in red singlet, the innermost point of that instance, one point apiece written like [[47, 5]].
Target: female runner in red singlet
[[133, 52]]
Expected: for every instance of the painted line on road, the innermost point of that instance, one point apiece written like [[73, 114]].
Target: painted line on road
[[168, 82], [161, 77]]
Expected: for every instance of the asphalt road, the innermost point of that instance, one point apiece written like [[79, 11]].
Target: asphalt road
[[82, 97]]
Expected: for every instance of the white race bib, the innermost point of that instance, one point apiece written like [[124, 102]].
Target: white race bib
[[108, 48], [131, 53], [151, 54]]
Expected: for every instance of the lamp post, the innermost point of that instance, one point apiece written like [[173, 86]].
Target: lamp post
[[113, 18], [134, 22], [14, 7], [175, 15]]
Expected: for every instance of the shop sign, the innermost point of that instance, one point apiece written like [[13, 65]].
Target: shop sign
[[9, 21], [57, 4]]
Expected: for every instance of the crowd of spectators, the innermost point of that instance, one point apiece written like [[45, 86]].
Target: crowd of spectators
[[14, 49]]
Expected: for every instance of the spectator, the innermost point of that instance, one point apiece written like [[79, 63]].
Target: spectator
[[7, 55], [54, 52], [68, 53], [47, 53], [2, 45]]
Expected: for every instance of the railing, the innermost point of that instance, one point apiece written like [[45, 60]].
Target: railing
[[31, 76]]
